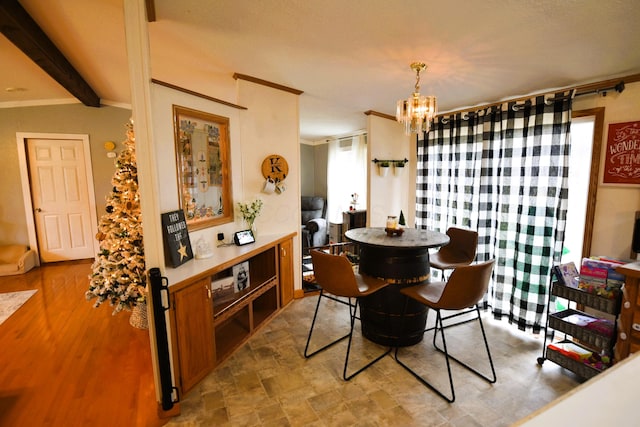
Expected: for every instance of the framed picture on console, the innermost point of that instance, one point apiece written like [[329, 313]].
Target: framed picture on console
[[241, 276]]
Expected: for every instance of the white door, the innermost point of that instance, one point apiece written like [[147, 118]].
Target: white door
[[60, 197]]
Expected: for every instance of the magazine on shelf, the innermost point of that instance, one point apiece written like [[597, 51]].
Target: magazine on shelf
[[602, 326], [608, 264], [598, 276], [593, 274], [579, 319], [567, 274]]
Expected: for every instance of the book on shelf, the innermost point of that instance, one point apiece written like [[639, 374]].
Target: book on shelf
[[602, 326], [599, 277], [608, 264], [593, 274], [571, 350], [222, 289], [579, 319], [567, 274]]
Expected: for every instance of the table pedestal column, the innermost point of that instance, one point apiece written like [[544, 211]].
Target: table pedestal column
[[381, 313]]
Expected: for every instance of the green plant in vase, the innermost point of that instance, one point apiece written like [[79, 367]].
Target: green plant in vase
[[250, 212]]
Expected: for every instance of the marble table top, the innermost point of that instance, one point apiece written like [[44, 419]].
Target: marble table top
[[411, 238]]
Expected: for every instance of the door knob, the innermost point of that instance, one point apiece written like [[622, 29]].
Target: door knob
[[37, 210]]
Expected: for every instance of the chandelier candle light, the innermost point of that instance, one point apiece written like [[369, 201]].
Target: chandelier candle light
[[417, 112]]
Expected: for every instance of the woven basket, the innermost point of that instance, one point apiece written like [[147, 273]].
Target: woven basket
[[139, 317], [590, 337], [581, 369], [590, 300]]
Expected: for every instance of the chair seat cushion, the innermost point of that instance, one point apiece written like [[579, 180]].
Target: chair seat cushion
[[447, 262], [368, 285], [427, 294]]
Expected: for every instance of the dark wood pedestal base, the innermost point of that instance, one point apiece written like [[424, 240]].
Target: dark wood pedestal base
[[381, 312]]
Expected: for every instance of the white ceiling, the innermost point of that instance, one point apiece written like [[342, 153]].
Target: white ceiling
[[348, 56]]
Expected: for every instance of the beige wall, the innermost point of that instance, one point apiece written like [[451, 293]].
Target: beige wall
[[616, 205], [313, 168], [321, 158], [269, 125], [307, 170], [101, 124], [390, 194]]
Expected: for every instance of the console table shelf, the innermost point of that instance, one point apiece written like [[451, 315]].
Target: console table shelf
[[208, 324]]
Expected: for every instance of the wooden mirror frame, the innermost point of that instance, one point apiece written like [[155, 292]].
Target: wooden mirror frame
[[203, 166]]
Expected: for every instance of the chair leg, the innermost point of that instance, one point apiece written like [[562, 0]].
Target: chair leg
[[346, 359], [313, 322], [353, 308], [446, 354], [491, 379]]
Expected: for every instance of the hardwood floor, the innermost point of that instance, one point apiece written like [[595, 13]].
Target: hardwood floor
[[65, 363]]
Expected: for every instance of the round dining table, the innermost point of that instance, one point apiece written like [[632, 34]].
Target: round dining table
[[402, 260]]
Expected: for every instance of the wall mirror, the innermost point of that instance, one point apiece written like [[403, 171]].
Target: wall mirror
[[204, 167]]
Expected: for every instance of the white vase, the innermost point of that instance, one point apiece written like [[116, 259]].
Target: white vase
[[383, 170]]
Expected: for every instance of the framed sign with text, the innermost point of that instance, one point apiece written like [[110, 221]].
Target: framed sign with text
[[177, 246], [622, 157]]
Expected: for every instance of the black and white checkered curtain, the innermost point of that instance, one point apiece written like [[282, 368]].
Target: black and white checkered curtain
[[503, 171]]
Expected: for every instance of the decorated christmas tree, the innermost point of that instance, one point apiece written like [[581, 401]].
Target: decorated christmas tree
[[118, 271]]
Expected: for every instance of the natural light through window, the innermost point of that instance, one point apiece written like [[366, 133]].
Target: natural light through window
[[346, 175], [579, 175]]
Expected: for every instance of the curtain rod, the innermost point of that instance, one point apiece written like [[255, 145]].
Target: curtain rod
[[580, 90]]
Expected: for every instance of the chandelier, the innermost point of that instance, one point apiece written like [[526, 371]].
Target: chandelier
[[417, 112]]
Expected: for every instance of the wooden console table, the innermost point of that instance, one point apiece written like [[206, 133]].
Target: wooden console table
[[208, 325]]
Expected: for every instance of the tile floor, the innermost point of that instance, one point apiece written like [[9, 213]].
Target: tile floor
[[268, 382]]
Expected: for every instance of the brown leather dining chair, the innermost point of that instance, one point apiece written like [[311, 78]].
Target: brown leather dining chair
[[336, 278], [461, 250], [465, 288]]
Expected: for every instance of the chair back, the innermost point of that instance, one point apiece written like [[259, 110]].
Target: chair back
[[466, 286], [462, 246], [334, 273], [312, 207]]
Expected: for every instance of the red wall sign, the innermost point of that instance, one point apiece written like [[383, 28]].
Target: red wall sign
[[622, 159]]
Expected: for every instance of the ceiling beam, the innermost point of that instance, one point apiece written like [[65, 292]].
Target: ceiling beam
[[17, 25]]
